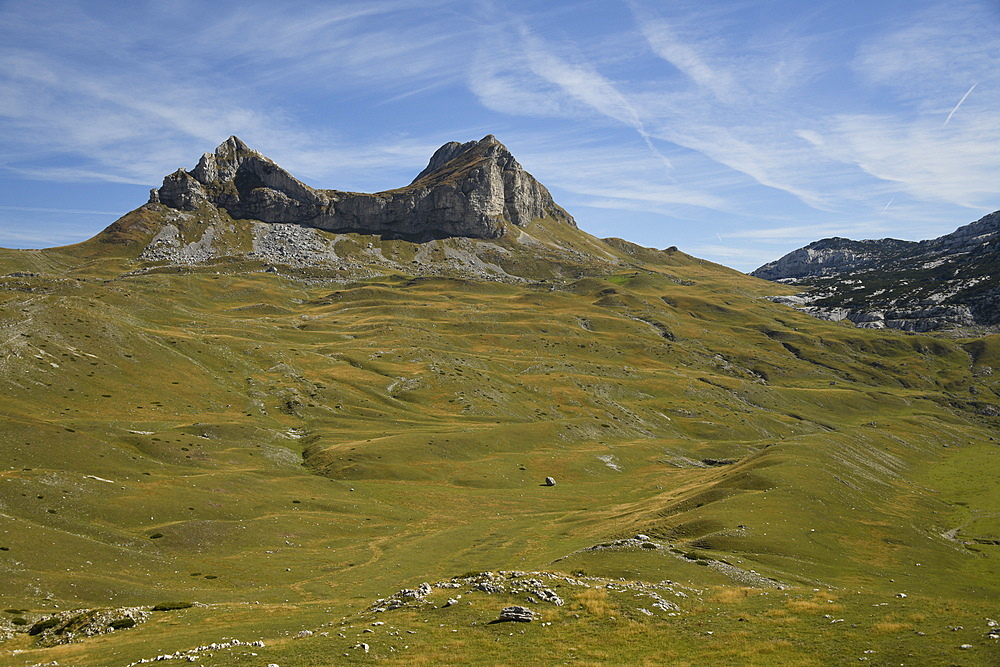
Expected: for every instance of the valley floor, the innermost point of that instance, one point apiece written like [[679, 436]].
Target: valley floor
[[266, 456]]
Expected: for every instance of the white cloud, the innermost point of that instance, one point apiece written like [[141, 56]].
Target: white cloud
[[957, 164], [701, 115], [624, 176], [937, 142], [580, 82], [505, 84], [519, 73], [836, 160], [121, 106], [667, 44], [935, 53]]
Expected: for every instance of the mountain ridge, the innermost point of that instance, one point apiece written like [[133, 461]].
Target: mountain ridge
[[476, 190], [472, 213], [946, 282]]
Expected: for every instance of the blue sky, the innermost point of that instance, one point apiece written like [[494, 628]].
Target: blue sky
[[736, 131]]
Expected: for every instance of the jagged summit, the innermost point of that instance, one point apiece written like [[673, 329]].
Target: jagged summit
[[472, 213], [446, 154], [453, 149], [476, 189]]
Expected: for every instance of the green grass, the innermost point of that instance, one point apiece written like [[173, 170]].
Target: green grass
[[302, 446]]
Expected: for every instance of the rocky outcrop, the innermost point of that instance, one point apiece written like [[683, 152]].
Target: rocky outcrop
[[948, 282], [476, 189], [915, 319], [516, 614]]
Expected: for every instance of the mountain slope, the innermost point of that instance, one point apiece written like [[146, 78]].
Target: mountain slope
[[472, 213], [288, 442], [950, 281]]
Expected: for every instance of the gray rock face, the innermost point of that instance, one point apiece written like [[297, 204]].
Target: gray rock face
[[476, 190], [831, 256], [947, 282], [444, 155]]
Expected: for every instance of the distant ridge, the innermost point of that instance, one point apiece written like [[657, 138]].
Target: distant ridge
[[950, 281]]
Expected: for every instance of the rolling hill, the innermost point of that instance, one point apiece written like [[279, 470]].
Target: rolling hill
[[323, 435]]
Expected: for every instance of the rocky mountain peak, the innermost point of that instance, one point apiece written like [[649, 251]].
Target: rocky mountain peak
[[454, 152], [224, 163], [474, 189]]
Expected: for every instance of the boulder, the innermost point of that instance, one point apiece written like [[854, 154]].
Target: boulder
[[517, 614]]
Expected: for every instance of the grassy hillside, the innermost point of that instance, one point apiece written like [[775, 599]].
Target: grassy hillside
[[284, 449]]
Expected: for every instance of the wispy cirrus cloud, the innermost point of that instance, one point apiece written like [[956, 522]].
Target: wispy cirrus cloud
[[830, 158], [169, 93], [686, 122], [742, 102], [956, 164], [734, 102], [533, 77], [665, 41], [924, 56], [622, 176], [928, 145]]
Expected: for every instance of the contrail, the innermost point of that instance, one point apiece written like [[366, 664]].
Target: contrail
[[893, 198], [959, 103], [649, 143]]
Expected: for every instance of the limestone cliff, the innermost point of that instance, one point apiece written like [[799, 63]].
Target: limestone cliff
[[476, 190]]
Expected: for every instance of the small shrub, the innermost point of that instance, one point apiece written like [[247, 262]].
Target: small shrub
[[43, 625], [122, 624], [170, 606], [156, 536], [19, 620]]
